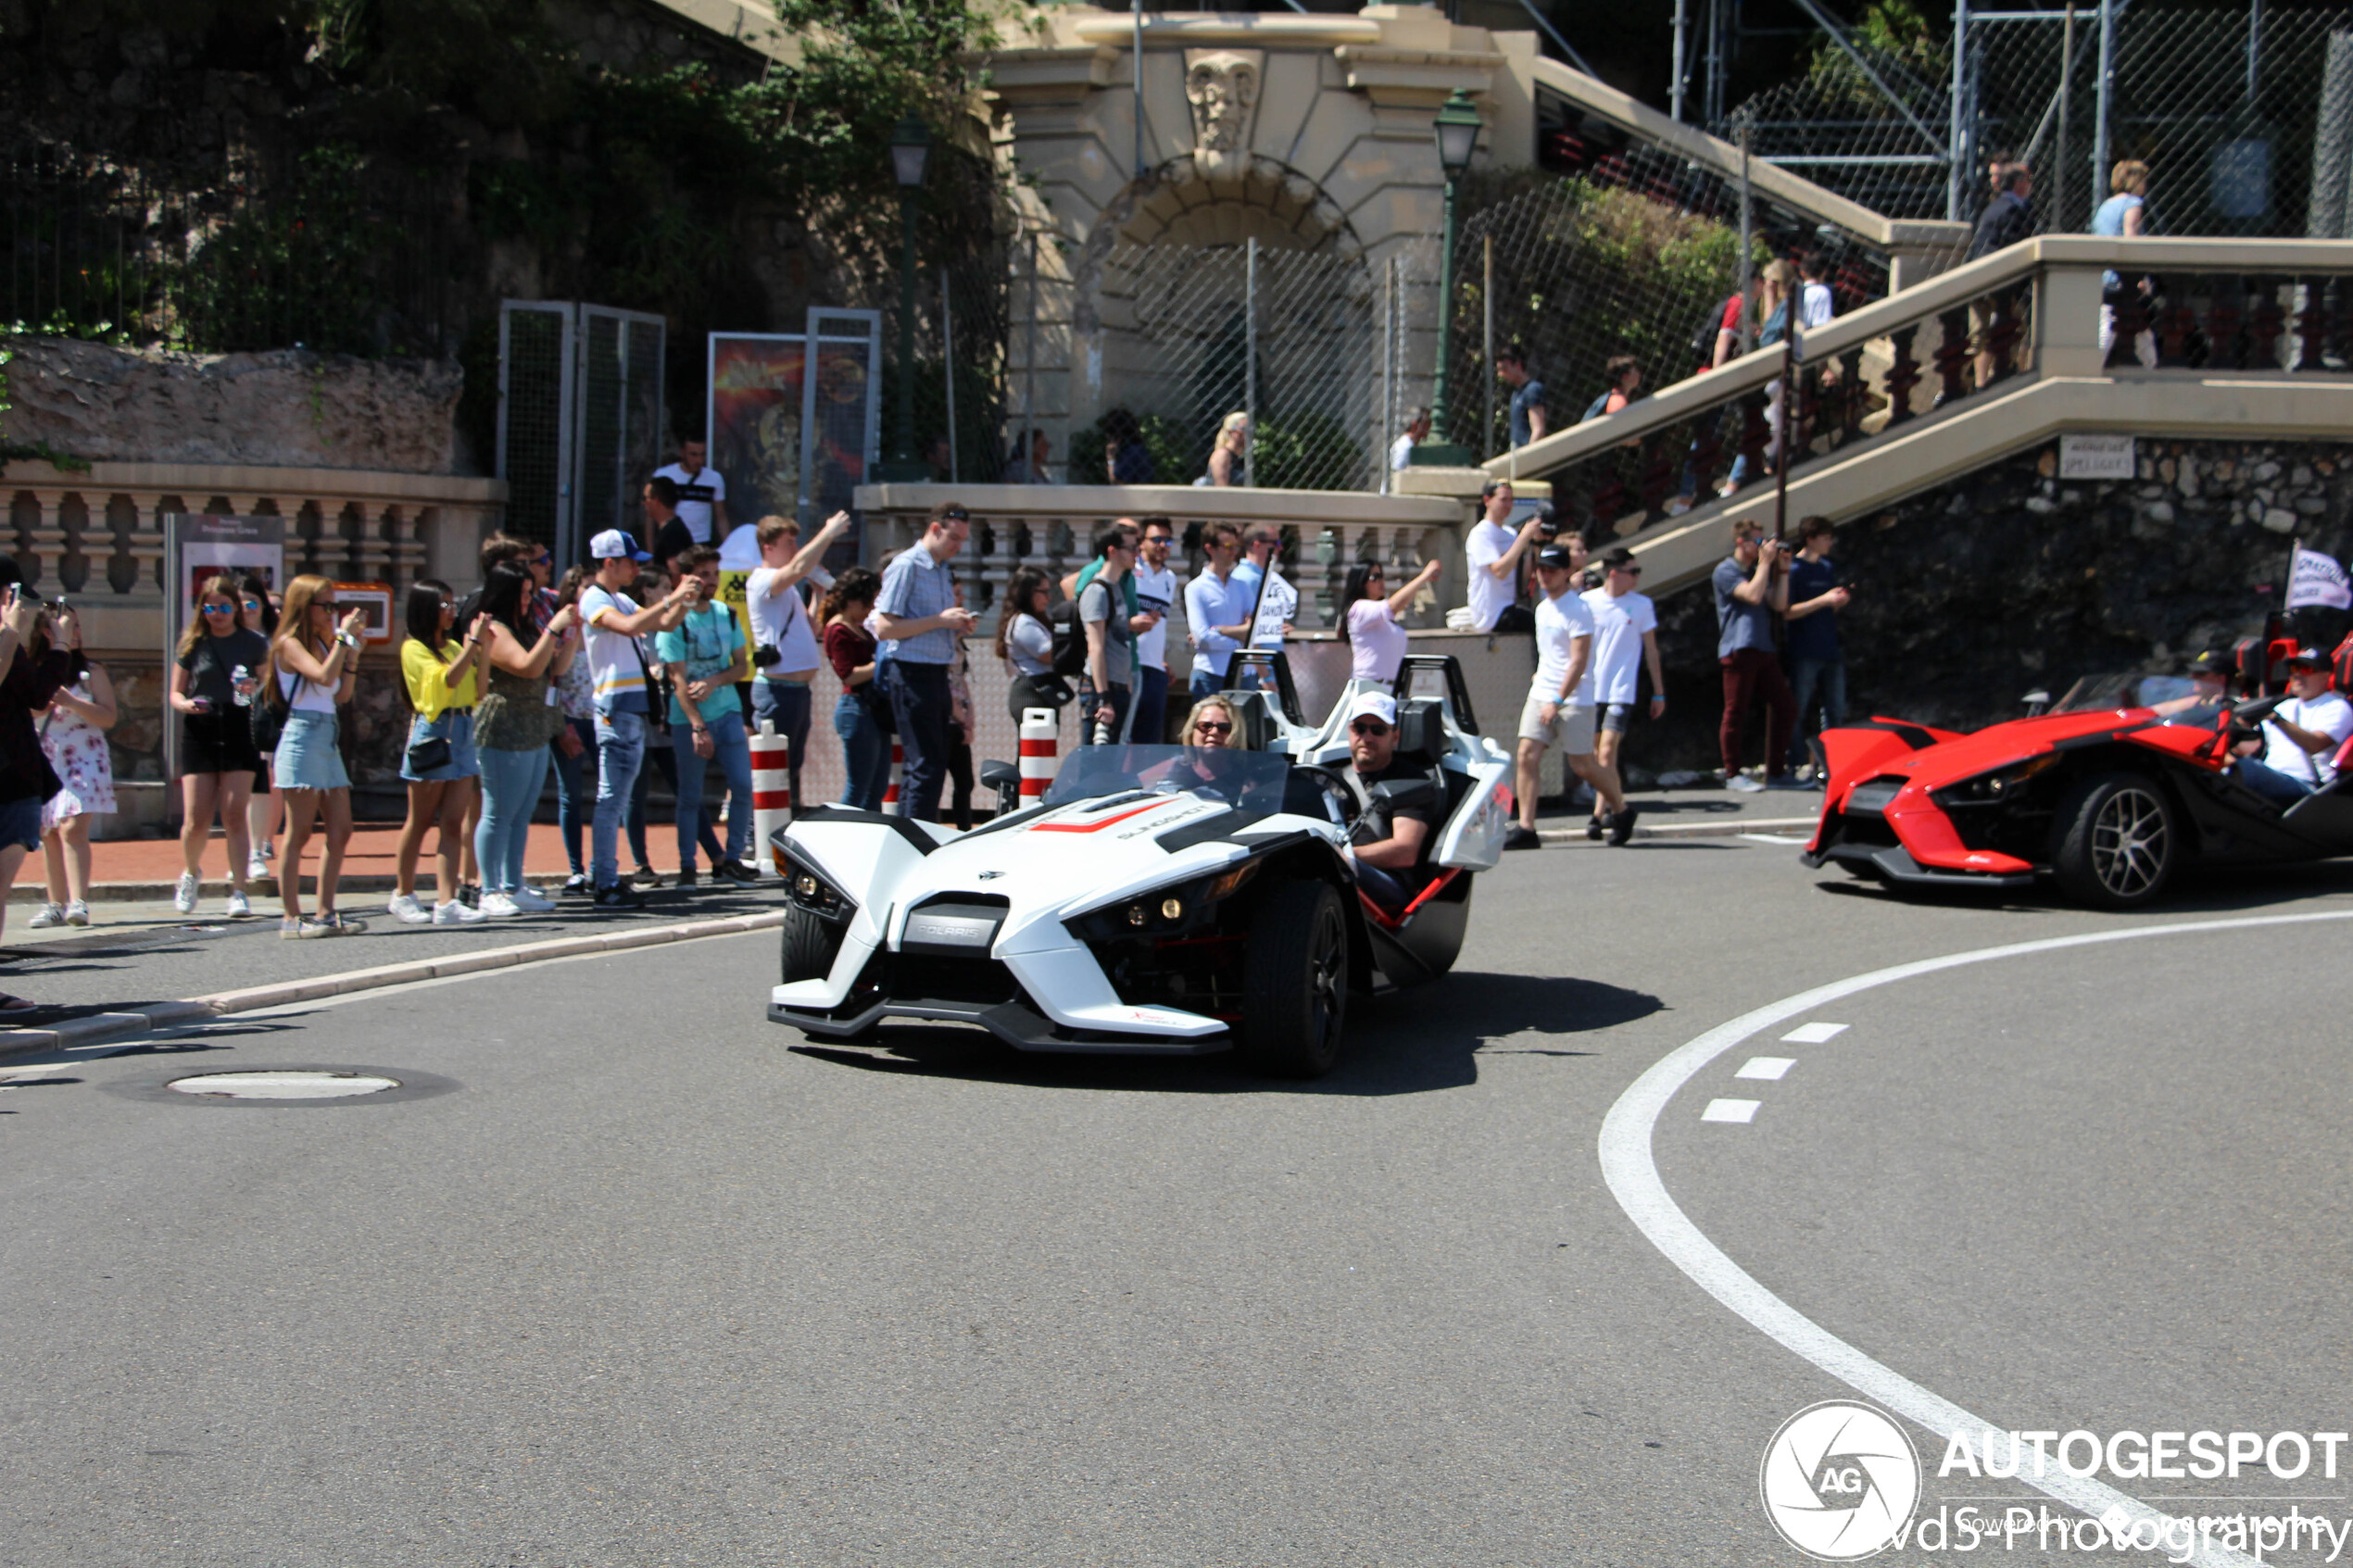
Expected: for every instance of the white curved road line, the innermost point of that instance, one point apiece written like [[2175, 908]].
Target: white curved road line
[[1634, 1178]]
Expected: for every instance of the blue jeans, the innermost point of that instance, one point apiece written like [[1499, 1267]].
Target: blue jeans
[[731, 750], [665, 762], [786, 706], [1808, 676], [920, 706], [1149, 724], [621, 751], [510, 784], [865, 753], [574, 803], [1384, 888], [2270, 784]]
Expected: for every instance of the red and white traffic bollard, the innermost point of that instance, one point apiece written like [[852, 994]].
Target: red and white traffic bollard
[[898, 765], [771, 788], [1040, 738]]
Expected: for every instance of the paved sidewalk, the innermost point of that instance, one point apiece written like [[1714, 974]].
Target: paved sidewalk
[[1686, 813]]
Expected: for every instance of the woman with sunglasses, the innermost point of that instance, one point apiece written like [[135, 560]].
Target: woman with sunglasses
[[258, 612], [513, 729], [314, 665], [1376, 641], [440, 673], [217, 672]]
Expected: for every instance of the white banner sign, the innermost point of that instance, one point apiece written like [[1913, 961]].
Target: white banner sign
[[2097, 456], [1278, 605], [2318, 581]]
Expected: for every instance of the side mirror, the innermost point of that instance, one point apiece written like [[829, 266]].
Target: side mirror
[[2037, 702], [1005, 779]]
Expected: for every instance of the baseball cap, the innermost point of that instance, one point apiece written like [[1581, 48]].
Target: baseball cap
[[2308, 658], [2221, 666], [1374, 705], [1556, 555], [613, 545]]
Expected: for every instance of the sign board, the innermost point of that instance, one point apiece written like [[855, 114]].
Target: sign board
[[376, 599], [2097, 456], [1278, 605]]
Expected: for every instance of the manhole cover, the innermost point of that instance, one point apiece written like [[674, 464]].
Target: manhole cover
[[295, 1083]]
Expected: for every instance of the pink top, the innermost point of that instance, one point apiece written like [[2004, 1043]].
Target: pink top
[[1377, 642]]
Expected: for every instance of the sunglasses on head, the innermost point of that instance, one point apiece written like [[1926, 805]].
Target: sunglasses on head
[[1371, 727]]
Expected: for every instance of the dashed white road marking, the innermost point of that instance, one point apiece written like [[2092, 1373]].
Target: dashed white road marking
[[1772, 1069], [1813, 1033], [1632, 1169], [1730, 1111]]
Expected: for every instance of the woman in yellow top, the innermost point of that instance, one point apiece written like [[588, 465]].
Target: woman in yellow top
[[439, 764]]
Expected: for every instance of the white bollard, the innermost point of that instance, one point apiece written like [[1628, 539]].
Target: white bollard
[[898, 765], [771, 788], [1040, 737]]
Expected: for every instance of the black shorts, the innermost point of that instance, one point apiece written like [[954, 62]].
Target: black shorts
[[1616, 716], [217, 743]]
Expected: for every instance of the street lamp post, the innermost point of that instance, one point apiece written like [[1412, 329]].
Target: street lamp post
[[1457, 129], [910, 156]]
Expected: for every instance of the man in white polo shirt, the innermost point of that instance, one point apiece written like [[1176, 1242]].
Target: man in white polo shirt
[[617, 666], [1494, 552], [1559, 711], [2302, 736], [702, 493], [1624, 639]]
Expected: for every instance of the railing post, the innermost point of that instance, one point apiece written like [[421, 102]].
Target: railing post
[[2066, 326]]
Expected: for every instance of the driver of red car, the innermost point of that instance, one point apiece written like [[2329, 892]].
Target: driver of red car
[[2209, 686], [1390, 838], [2301, 738]]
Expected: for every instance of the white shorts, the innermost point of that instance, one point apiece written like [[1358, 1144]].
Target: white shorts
[[1571, 730]]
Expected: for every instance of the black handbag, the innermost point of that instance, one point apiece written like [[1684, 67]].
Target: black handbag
[[267, 719], [427, 756]]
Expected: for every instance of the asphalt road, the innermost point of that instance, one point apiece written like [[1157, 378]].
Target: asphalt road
[[655, 1283]]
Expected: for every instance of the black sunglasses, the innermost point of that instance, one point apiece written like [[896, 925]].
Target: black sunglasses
[[1373, 727]]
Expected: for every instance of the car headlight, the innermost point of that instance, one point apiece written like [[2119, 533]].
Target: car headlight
[[810, 889], [1992, 789], [1164, 911]]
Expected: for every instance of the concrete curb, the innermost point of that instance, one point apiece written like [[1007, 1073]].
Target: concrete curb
[[1729, 827], [33, 893], [101, 1028]]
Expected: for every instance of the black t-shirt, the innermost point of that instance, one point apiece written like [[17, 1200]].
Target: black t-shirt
[[1379, 819], [671, 540], [211, 662], [31, 681]]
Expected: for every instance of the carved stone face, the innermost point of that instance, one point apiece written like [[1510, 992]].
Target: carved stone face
[[1222, 86]]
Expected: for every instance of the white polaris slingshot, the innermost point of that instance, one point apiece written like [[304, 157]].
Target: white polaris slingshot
[[1160, 898]]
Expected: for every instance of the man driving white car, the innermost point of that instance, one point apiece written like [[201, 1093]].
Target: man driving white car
[[1394, 834]]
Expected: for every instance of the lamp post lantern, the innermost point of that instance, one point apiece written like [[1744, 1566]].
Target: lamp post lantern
[[1457, 130], [910, 156]]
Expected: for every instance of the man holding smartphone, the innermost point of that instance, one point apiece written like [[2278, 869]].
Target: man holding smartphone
[[1750, 584]]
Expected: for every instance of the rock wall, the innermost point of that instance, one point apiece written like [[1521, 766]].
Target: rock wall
[[1970, 595], [286, 409]]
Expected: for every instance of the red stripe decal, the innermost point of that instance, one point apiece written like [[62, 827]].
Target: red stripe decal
[[1099, 825]]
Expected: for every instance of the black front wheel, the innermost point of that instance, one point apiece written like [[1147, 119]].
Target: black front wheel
[[2119, 841], [808, 946], [1295, 984]]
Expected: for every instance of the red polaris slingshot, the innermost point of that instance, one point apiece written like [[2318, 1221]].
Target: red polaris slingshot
[[2109, 792]]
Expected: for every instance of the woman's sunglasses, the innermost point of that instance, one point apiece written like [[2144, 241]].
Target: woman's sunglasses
[[220, 610], [1211, 727], [253, 604]]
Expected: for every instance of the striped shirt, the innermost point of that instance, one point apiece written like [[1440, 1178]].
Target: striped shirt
[[916, 586], [613, 661]]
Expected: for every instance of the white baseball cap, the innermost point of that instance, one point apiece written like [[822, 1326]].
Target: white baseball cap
[[613, 545], [1374, 705]]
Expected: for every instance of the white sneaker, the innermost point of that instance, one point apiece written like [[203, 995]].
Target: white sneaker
[[403, 907], [1743, 784], [452, 912], [51, 915], [257, 867], [531, 901], [498, 906], [77, 913], [269, 850], [238, 908], [183, 895]]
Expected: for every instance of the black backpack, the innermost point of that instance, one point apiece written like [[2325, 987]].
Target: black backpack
[[1070, 638]]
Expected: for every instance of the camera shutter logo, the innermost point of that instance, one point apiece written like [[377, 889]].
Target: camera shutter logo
[[1840, 1481]]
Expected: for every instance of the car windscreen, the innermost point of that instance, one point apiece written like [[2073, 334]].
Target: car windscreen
[[2093, 693], [1252, 780]]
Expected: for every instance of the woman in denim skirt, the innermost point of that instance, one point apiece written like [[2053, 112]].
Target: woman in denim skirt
[[439, 672], [313, 669]]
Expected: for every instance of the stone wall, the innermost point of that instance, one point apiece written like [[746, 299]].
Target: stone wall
[[1970, 595], [286, 409]]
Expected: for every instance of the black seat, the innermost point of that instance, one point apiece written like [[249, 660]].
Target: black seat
[[1254, 712], [1421, 736]]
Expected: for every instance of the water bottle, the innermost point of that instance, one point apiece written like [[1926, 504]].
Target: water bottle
[[237, 678]]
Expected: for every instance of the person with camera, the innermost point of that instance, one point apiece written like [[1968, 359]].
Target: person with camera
[[73, 736], [314, 666], [785, 655], [32, 674], [614, 622], [257, 613], [1104, 697], [439, 764], [704, 656], [1494, 551], [1025, 643], [217, 670], [1751, 585], [861, 711], [513, 727]]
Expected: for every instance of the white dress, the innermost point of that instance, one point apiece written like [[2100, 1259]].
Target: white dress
[[77, 750]]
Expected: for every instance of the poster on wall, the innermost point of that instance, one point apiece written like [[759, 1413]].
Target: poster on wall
[[795, 433], [754, 417], [197, 548]]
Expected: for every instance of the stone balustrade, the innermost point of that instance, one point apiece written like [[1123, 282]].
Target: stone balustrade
[[95, 535]]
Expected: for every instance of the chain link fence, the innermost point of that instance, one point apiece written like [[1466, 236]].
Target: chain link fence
[[1871, 125]]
